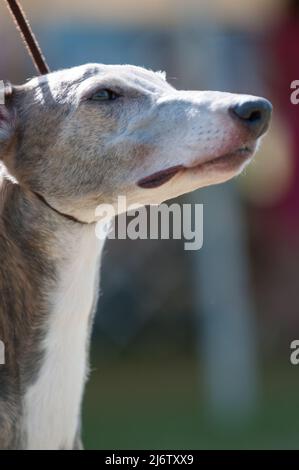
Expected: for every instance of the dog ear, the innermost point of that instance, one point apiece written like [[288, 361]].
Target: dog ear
[[7, 117]]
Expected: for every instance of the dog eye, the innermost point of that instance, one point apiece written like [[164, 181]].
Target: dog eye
[[104, 95]]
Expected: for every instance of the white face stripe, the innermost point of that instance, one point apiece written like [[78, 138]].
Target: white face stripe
[[52, 404]]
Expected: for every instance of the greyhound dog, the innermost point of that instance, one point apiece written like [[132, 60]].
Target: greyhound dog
[[70, 141]]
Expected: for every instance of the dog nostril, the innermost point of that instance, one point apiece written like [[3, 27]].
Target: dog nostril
[[254, 114]]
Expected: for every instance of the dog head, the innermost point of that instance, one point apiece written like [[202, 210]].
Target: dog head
[[82, 136]]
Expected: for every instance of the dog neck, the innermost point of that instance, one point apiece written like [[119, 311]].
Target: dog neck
[[49, 275]]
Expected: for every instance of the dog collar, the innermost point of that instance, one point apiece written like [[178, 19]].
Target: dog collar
[[66, 216]]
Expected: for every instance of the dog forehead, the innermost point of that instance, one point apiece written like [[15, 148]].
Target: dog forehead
[[77, 75], [123, 71], [61, 86]]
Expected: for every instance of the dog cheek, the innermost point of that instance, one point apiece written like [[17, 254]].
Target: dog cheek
[[139, 160], [142, 154]]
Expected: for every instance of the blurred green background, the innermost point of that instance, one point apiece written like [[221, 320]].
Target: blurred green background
[[156, 403], [192, 350]]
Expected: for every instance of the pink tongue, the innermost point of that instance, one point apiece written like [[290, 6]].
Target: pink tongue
[[159, 178]]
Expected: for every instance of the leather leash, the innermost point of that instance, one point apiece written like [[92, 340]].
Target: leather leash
[[29, 39]]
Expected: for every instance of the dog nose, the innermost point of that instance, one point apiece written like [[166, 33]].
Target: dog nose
[[255, 114]]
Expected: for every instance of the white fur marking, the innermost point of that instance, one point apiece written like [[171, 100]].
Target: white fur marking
[[52, 403]]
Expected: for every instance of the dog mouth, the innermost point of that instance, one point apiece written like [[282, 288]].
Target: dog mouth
[[160, 178], [225, 162]]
